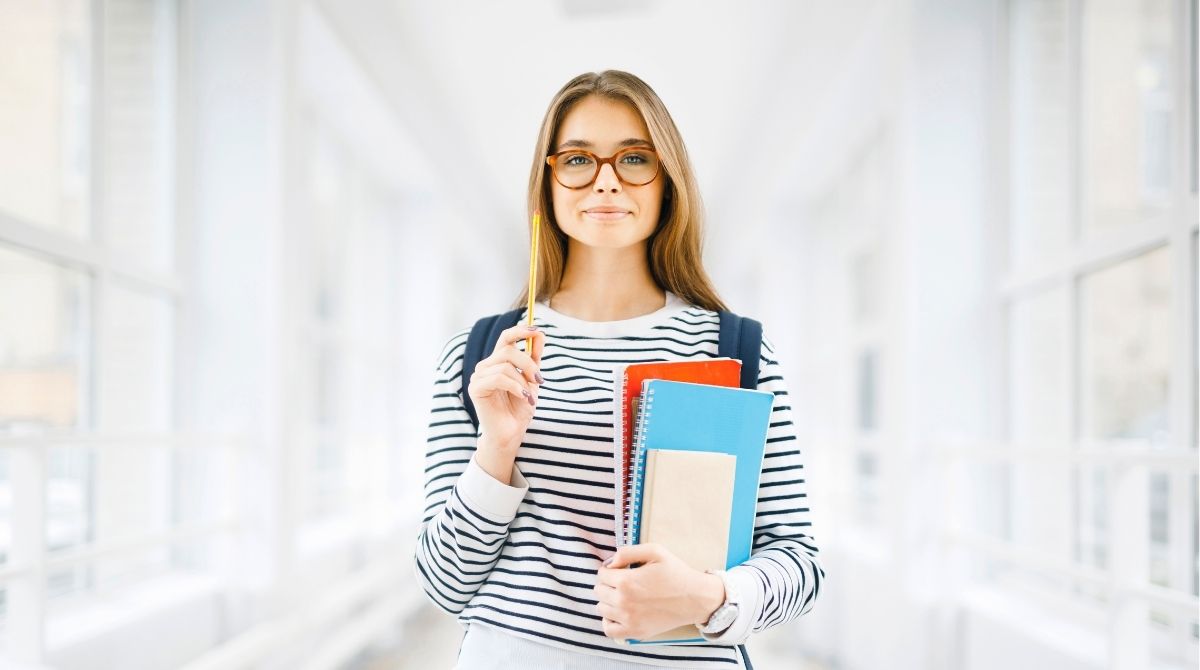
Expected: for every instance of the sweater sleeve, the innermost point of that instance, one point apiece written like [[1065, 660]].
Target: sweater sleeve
[[781, 580], [467, 511]]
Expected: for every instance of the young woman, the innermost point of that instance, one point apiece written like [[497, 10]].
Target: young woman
[[517, 537]]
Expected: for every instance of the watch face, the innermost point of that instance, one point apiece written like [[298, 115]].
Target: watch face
[[721, 619]]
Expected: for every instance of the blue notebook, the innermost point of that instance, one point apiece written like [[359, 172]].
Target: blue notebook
[[699, 417]]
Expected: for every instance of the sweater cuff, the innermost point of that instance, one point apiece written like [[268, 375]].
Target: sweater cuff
[[488, 496], [750, 597]]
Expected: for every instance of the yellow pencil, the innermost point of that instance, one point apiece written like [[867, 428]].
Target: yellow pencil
[[533, 254]]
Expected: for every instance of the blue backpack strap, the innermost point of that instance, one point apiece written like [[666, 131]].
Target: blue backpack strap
[[480, 344], [745, 657], [741, 338]]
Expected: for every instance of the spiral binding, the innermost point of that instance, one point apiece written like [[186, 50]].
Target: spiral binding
[[623, 520], [634, 485]]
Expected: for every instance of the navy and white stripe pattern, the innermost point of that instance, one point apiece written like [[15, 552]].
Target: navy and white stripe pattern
[[527, 566]]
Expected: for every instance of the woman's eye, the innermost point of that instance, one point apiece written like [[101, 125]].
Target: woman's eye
[[635, 159], [577, 160]]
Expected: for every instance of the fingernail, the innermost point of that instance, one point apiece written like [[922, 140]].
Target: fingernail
[[540, 379], [608, 561], [531, 327], [528, 396]]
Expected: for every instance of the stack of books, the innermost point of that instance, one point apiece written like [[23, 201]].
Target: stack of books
[[689, 448]]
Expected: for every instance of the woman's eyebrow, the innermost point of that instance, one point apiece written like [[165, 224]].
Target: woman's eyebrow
[[632, 141]]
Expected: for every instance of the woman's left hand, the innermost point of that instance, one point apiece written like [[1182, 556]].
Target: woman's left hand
[[663, 593]]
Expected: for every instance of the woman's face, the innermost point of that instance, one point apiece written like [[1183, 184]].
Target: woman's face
[[601, 126]]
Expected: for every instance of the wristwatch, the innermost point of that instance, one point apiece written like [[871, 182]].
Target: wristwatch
[[727, 612]]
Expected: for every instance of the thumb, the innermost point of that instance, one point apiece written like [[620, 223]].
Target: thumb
[[632, 553]]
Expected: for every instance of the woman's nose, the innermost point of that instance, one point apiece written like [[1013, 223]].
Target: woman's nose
[[607, 180]]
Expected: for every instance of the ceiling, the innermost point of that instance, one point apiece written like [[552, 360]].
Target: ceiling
[[743, 80]]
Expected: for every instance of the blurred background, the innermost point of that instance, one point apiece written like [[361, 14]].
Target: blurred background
[[234, 235]]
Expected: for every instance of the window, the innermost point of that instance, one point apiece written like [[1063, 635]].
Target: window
[[351, 295], [45, 82], [89, 297], [850, 220], [1100, 299], [1130, 82]]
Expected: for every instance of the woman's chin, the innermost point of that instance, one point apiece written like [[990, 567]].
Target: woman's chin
[[601, 241]]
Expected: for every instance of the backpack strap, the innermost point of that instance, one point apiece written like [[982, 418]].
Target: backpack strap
[[741, 338], [480, 344]]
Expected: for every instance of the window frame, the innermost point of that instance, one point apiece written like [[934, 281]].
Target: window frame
[[27, 630], [1086, 253]]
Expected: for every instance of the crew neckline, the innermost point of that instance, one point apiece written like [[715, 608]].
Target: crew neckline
[[552, 316]]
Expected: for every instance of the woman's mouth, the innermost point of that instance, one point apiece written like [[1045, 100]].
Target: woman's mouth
[[606, 214]]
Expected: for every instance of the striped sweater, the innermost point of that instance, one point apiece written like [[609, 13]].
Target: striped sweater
[[522, 558]]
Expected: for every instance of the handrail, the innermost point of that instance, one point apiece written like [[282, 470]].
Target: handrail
[[93, 551], [177, 440]]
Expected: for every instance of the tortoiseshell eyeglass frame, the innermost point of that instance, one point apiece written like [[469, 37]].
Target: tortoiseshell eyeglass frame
[[597, 161]]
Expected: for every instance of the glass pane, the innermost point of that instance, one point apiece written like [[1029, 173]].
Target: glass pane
[[332, 212], [329, 422], [99, 495], [132, 499], [1194, 563], [134, 371], [1041, 126], [1039, 418], [1160, 539], [6, 517], [866, 470], [1125, 349], [42, 384], [1129, 92], [70, 477], [1040, 384], [1194, 287], [865, 285], [45, 117], [1091, 491], [134, 368], [868, 391], [137, 140]]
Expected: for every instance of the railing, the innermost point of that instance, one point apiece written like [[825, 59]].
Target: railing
[[1125, 583], [29, 562]]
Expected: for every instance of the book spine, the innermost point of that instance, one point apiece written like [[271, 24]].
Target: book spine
[[637, 472]]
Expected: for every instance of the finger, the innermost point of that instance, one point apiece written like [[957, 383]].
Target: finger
[[518, 333], [633, 553], [610, 613], [537, 337], [539, 343], [613, 629], [487, 385], [605, 593], [609, 577], [520, 360], [506, 369]]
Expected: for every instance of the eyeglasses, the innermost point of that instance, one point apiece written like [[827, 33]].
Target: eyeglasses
[[576, 168]]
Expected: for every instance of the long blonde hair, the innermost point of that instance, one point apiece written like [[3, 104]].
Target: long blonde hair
[[674, 252]]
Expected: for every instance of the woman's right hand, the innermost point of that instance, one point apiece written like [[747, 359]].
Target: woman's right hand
[[504, 388]]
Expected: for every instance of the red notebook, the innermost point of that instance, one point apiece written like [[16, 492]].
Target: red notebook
[[627, 389]]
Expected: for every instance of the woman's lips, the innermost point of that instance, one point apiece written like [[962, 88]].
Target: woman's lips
[[606, 215]]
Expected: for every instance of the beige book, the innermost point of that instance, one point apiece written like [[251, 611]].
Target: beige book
[[686, 503]]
